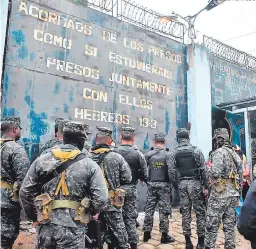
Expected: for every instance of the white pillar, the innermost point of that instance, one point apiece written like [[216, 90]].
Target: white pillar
[[4, 17], [199, 98]]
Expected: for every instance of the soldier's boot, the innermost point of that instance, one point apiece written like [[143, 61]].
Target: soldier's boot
[[200, 243], [133, 246], [147, 236], [166, 238], [189, 244]]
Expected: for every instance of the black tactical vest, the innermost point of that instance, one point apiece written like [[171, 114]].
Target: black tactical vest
[[132, 157], [185, 163], [157, 165]]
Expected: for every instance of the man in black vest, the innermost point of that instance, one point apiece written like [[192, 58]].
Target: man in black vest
[[160, 178], [138, 166], [117, 175], [188, 162]]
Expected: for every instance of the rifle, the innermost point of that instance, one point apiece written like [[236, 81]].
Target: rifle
[[94, 233]]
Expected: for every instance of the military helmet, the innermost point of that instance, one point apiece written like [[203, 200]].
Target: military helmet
[[221, 132], [128, 130], [159, 137], [104, 131], [182, 133], [11, 120], [74, 127]]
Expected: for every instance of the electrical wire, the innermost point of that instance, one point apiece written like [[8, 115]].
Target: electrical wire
[[240, 36]]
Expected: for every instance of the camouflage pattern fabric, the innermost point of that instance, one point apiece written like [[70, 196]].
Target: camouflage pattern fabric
[[87, 145], [76, 127], [130, 208], [14, 166], [116, 233], [221, 210], [104, 131], [159, 137], [84, 151], [11, 120], [117, 173], [191, 194], [130, 213], [83, 178], [221, 205], [128, 130], [49, 144], [191, 191], [158, 193], [54, 236]]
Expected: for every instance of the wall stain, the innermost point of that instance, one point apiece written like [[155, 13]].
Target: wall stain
[[146, 143], [101, 80], [56, 89], [23, 52], [71, 94], [32, 56], [167, 122], [18, 36]]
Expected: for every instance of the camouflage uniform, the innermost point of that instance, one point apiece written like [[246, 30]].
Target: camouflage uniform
[[81, 179], [55, 141], [138, 166], [221, 205], [190, 171], [117, 173], [14, 165], [159, 190]]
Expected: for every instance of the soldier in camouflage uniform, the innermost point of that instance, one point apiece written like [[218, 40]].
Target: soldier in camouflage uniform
[[60, 137], [14, 165], [61, 195], [190, 170], [57, 140], [117, 173], [138, 166], [159, 180], [226, 166]]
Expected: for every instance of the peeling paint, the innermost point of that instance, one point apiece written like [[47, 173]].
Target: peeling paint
[[18, 36], [167, 122], [56, 89], [71, 94]]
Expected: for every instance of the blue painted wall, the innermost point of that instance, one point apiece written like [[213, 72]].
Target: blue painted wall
[[39, 94], [230, 83]]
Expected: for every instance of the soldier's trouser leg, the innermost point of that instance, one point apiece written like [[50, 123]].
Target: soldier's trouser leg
[[186, 205], [10, 225], [229, 222], [215, 210], [150, 209], [164, 208], [52, 236], [115, 223], [130, 213], [199, 206]]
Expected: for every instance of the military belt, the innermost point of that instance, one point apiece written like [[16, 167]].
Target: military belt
[[5, 185], [65, 204]]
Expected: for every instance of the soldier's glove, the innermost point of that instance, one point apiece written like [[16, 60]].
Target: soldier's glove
[[180, 210]]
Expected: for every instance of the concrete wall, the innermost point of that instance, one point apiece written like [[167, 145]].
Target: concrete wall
[[47, 76], [199, 98]]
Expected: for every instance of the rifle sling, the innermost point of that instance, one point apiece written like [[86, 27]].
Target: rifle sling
[[63, 166]]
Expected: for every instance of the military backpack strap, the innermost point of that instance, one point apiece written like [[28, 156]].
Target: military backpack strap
[[62, 167]]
